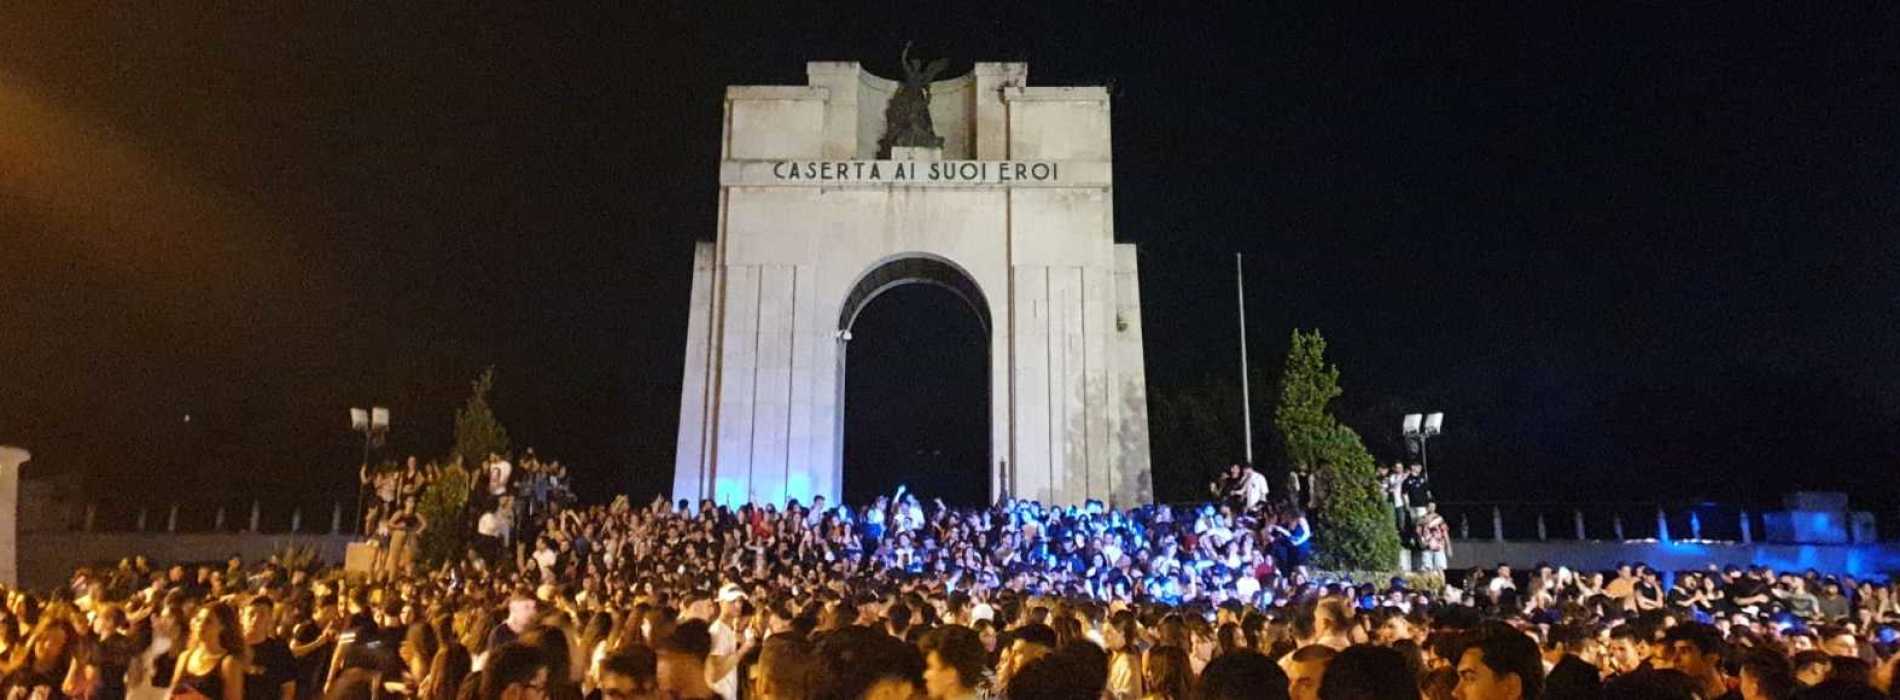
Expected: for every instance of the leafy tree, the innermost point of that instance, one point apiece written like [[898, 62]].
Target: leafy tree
[[1351, 522], [443, 505], [477, 432], [1306, 387]]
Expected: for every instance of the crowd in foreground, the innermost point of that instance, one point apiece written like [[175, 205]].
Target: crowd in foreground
[[907, 599]]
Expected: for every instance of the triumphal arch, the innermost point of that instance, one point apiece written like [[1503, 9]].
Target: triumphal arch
[[833, 192]]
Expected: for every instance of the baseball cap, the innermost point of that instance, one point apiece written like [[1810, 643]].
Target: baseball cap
[[731, 592]]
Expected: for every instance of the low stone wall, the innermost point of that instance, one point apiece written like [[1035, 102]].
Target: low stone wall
[[1857, 559], [47, 559]]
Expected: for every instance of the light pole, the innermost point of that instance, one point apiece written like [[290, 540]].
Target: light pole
[[373, 423], [1420, 428]]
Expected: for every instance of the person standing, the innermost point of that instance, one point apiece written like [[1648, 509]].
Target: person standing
[[497, 470], [1227, 487], [271, 673], [1253, 487], [1434, 540], [404, 527], [211, 668], [1418, 490]]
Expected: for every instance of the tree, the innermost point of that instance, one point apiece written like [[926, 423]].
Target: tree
[[1306, 387], [443, 506], [477, 432], [1352, 524]]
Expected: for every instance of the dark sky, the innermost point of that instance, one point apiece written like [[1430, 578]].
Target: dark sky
[[1648, 249]]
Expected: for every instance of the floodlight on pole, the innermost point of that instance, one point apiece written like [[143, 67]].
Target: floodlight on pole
[[1419, 428], [373, 423]]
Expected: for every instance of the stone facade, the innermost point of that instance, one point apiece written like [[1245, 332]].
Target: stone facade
[[10, 460], [1014, 214]]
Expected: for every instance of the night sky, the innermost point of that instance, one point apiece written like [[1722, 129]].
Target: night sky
[[1631, 253]]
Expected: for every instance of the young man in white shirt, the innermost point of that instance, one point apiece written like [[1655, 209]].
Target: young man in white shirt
[[1253, 487], [722, 667], [498, 471]]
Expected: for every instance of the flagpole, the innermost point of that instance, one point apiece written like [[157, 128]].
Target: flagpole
[[1246, 394]]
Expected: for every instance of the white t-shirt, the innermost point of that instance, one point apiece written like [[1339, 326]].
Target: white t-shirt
[[493, 524], [725, 642], [498, 472], [1254, 490]]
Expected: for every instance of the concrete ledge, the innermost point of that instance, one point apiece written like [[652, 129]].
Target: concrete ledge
[[47, 559], [777, 92], [1055, 94]]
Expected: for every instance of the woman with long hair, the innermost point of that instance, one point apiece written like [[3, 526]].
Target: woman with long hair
[[447, 671], [418, 651], [40, 665], [212, 665], [1123, 639], [447, 665], [1168, 674]]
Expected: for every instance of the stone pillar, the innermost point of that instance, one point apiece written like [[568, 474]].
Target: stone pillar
[[10, 460]]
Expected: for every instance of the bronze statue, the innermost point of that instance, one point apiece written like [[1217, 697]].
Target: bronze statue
[[907, 116]]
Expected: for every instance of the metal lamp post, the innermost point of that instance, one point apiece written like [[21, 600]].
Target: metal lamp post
[[373, 423], [1422, 427]]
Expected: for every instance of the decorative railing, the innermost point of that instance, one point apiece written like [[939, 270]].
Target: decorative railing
[[1501, 521], [306, 516]]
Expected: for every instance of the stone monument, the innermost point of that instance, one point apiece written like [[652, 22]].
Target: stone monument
[[10, 460], [833, 192]]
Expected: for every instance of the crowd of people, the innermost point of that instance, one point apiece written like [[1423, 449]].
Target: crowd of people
[[911, 598], [1424, 534], [393, 518]]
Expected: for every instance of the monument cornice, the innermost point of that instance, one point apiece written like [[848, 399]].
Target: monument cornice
[[887, 174]]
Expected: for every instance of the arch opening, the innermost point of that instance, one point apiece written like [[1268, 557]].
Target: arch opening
[[915, 403]]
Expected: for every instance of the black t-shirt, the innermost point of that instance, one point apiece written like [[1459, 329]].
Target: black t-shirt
[[114, 658], [1744, 587], [314, 666], [271, 667], [1417, 490], [1647, 591]]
